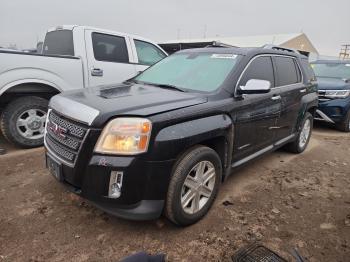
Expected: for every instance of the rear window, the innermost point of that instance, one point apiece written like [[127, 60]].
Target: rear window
[[110, 48], [59, 42], [309, 72], [287, 73], [147, 53]]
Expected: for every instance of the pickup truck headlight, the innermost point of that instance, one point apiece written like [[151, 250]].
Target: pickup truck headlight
[[337, 93], [125, 136]]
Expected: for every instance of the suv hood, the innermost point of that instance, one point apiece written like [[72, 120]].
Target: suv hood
[[95, 106], [327, 83]]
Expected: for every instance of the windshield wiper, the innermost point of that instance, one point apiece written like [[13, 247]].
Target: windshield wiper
[[167, 86]]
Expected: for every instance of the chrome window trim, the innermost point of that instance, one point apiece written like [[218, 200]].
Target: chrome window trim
[[270, 55], [334, 90]]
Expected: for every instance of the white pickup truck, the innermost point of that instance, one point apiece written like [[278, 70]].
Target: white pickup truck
[[72, 57]]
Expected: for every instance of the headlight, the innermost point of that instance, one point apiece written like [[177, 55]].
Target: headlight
[[337, 93], [125, 136]]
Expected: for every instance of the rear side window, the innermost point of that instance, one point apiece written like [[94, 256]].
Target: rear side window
[[309, 72], [287, 72], [110, 48], [260, 68], [147, 53], [59, 42]]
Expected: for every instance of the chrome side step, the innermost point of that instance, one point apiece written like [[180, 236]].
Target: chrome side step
[[323, 117]]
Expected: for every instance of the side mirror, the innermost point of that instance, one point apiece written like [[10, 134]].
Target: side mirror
[[255, 86]]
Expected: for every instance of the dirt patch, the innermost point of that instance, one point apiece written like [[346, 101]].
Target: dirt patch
[[285, 201]]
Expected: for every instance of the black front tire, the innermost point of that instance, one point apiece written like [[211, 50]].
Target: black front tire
[[295, 146], [11, 114], [345, 125], [173, 207]]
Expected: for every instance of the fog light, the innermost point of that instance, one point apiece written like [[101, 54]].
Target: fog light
[[115, 184]]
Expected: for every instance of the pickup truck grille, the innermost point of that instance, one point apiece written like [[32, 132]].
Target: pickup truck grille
[[64, 137]]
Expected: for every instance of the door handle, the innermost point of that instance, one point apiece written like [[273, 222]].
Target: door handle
[[303, 90], [276, 98], [96, 72]]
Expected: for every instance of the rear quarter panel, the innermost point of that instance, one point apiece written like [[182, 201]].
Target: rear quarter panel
[[62, 73]]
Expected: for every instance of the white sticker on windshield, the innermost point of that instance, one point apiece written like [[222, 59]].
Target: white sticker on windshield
[[224, 56]]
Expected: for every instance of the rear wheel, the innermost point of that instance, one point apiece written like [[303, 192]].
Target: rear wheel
[[23, 121], [304, 135], [194, 185], [345, 125]]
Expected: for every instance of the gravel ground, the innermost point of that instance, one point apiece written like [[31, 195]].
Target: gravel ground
[[282, 200]]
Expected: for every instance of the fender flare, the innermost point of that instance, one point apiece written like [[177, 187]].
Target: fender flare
[[30, 81], [307, 102]]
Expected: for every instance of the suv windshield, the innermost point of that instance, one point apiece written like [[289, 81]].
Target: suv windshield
[[203, 72], [59, 42], [332, 70]]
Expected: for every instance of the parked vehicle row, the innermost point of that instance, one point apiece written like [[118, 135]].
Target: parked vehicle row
[[334, 92], [163, 141], [73, 57]]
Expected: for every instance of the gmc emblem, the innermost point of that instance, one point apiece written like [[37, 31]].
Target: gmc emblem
[[57, 130]]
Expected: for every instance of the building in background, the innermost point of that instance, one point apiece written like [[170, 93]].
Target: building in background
[[298, 41]]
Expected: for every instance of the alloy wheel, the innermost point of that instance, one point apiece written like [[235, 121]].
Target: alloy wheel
[[305, 133], [198, 187]]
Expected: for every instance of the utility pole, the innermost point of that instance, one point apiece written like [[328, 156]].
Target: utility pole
[[344, 52]]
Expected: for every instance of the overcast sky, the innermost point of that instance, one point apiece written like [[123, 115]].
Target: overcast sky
[[326, 22]]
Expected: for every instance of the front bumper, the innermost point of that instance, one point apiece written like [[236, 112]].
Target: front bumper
[[333, 111], [143, 189]]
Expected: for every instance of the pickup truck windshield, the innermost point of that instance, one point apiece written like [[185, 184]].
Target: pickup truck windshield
[[203, 72], [59, 42], [332, 70]]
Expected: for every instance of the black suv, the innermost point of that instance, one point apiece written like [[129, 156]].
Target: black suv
[[166, 139]]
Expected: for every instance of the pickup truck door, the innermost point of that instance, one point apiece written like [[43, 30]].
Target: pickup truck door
[[109, 58], [256, 118], [146, 54]]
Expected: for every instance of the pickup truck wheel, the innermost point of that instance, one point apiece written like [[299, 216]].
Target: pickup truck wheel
[[304, 135], [194, 185], [345, 125], [23, 121]]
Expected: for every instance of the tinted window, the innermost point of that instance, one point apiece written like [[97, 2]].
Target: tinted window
[[110, 48], [59, 42], [147, 53], [309, 72], [260, 68], [286, 71], [298, 71]]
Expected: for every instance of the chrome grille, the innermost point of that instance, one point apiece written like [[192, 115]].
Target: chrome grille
[[73, 129], [60, 151], [64, 137]]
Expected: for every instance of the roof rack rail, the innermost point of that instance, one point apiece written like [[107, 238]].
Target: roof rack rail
[[276, 47], [219, 44]]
